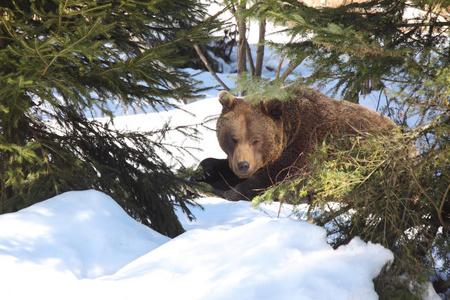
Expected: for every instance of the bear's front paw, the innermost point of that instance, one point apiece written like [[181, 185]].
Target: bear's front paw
[[211, 168]]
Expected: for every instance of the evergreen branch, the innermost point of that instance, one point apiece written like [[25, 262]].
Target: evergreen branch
[[36, 49], [10, 31], [62, 8], [85, 12], [423, 192], [70, 47]]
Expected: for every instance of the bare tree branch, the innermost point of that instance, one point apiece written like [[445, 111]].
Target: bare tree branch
[[208, 66]]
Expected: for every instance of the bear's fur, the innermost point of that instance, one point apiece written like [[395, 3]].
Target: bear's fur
[[267, 141]]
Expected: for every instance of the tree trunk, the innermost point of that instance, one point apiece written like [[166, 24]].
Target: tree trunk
[[250, 58], [242, 44], [260, 50]]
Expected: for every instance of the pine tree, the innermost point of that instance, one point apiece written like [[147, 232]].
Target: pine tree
[[62, 60]]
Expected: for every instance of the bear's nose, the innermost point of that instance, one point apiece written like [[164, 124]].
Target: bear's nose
[[243, 166]]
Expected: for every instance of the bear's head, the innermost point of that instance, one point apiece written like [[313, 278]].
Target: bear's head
[[251, 135]]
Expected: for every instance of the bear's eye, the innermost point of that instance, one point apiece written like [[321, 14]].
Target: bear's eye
[[234, 140], [255, 142]]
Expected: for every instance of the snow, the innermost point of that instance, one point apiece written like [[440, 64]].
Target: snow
[[82, 245]]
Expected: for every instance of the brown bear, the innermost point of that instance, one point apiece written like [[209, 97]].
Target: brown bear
[[267, 141]]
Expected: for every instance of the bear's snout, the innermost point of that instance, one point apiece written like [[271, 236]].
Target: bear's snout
[[243, 166]]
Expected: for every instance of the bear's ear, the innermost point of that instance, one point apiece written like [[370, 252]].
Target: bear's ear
[[227, 100], [273, 108]]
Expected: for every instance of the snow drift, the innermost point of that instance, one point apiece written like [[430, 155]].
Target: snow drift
[[82, 245]]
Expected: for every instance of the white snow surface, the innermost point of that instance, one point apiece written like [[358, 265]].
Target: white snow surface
[[82, 245]]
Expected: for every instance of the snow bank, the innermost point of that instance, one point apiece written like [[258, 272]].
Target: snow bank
[[83, 245], [83, 233]]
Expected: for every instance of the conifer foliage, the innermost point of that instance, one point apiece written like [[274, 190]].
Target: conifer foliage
[[60, 59]]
